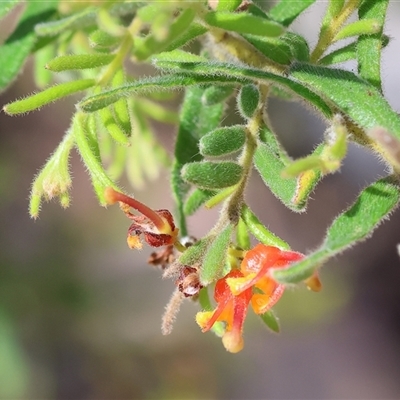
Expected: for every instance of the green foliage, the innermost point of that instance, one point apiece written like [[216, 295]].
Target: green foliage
[[245, 56]]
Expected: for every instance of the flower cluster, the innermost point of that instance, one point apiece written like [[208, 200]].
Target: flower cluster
[[251, 284]]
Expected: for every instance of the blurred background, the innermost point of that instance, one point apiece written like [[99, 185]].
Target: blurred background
[[80, 313]]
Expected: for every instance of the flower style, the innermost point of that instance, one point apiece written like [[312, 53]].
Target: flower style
[[157, 226], [251, 284]]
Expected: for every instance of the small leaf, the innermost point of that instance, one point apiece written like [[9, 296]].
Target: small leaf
[[223, 141], [79, 61], [49, 95], [374, 204], [369, 47], [243, 23], [212, 175], [148, 85], [286, 11], [121, 107], [270, 321], [150, 45], [217, 94], [102, 41], [259, 231], [196, 199], [98, 175], [366, 106], [82, 19], [228, 5], [15, 50], [192, 32], [240, 73], [362, 27], [178, 55], [247, 100], [195, 121], [215, 256], [343, 54], [108, 120], [242, 235]]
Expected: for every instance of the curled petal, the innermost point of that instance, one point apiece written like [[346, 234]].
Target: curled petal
[[313, 283]]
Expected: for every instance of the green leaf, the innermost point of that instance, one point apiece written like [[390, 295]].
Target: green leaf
[[215, 257], [259, 231], [79, 20], [212, 175], [149, 85], [49, 95], [103, 41], [286, 11], [374, 204], [150, 45], [192, 32], [366, 106], [222, 141], [362, 27], [79, 61], [271, 161], [270, 321], [228, 5], [109, 122], [217, 94], [196, 199], [369, 47], [121, 107], [241, 73], [195, 121], [15, 50], [343, 54], [98, 175], [6, 6], [247, 100], [242, 235], [243, 23]]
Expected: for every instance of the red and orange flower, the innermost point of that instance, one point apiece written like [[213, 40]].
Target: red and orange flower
[[251, 284]]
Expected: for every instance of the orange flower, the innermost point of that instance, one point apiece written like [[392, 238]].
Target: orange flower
[[249, 285], [157, 226]]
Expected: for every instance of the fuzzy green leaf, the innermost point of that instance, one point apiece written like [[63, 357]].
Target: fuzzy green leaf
[[49, 95], [286, 11], [196, 199], [362, 27], [369, 47], [79, 61], [103, 41], [223, 141], [270, 321], [15, 50], [247, 100], [195, 121], [212, 175], [366, 106], [217, 94], [98, 175], [228, 5], [148, 85], [80, 20], [232, 72], [215, 257], [343, 54], [374, 204], [259, 231], [150, 45], [243, 23]]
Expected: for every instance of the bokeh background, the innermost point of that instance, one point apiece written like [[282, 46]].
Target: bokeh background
[[80, 312]]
